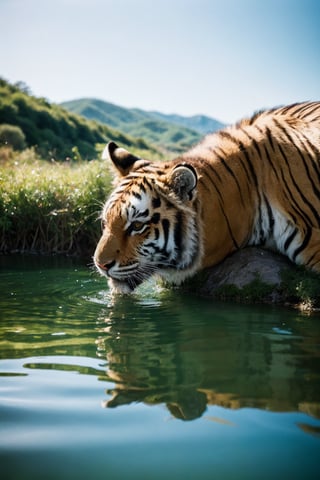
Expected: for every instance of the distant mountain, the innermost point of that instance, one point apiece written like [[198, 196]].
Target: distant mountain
[[200, 123], [171, 132]]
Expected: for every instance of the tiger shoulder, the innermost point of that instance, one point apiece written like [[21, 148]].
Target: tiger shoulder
[[254, 183]]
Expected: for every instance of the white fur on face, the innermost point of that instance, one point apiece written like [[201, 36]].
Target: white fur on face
[[138, 209]]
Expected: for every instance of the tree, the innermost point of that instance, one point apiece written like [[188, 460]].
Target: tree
[[13, 136]]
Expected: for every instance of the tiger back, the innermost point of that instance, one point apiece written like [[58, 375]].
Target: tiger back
[[254, 183]]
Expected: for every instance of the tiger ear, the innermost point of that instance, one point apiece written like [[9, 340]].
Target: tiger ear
[[183, 179], [121, 158]]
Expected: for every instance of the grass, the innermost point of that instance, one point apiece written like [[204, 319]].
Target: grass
[[50, 207]]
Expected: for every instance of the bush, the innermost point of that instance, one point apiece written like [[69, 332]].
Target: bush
[[12, 136]]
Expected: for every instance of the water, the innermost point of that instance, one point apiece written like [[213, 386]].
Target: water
[[157, 385]]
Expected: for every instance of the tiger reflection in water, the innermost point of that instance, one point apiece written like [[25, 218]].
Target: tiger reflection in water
[[189, 363]]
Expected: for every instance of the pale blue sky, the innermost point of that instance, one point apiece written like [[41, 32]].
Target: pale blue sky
[[223, 58]]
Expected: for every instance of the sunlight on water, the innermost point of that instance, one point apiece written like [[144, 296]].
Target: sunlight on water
[[152, 385]]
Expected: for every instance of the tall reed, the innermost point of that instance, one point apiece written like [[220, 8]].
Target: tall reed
[[50, 207]]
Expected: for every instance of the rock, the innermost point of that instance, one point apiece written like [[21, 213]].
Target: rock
[[245, 266], [256, 275], [251, 266]]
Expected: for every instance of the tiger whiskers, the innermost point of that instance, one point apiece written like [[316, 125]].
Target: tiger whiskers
[[142, 273]]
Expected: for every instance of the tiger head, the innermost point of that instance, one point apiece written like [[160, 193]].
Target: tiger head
[[150, 222]]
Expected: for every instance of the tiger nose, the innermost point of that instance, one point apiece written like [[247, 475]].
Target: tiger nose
[[106, 266]]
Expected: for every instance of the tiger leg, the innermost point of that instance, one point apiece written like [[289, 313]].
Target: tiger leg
[[310, 253]]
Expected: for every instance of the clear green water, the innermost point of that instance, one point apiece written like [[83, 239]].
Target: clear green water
[[153, 386]]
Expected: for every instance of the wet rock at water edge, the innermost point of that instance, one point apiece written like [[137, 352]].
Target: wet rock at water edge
[[252, 273]]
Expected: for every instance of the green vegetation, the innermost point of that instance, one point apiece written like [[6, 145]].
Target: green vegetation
[[49, 207], [173, 133], [301, 287], [51, 130], [254, 292]]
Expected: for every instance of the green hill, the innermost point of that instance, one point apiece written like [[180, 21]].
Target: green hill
[[171, 132], [199, 123], [55, 132]]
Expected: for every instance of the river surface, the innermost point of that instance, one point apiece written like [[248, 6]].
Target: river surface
[[156, 385]]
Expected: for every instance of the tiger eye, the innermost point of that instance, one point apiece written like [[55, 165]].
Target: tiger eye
[[137, 225]]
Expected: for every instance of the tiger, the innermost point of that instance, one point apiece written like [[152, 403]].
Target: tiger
[[256, 182]]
